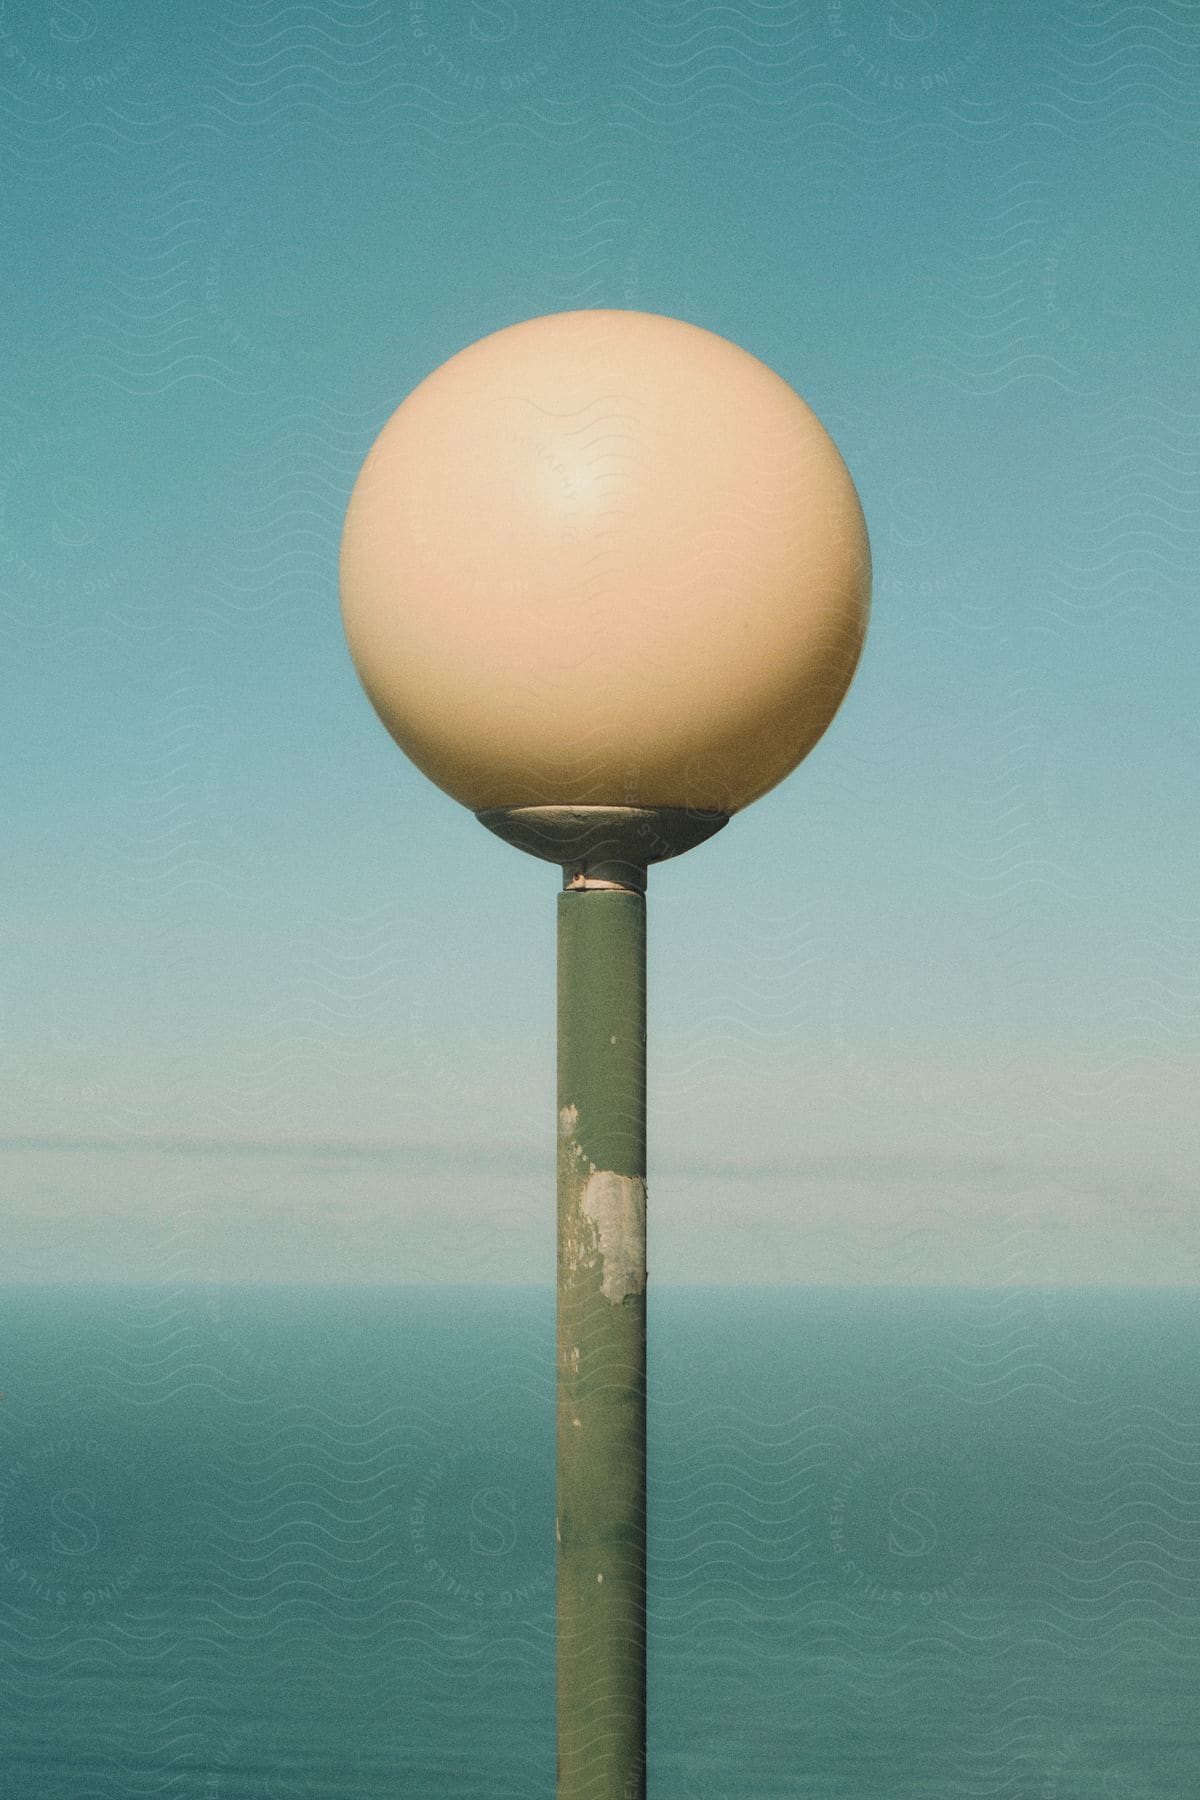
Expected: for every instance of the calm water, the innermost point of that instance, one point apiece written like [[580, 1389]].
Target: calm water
[[300, 1542]]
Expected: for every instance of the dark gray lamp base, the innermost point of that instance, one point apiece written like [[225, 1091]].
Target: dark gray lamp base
[[602, 846]]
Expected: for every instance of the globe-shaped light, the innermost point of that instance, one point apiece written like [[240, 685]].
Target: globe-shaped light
[[605, 559]]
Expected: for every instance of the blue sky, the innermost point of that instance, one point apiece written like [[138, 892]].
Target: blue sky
[[274, 1008]]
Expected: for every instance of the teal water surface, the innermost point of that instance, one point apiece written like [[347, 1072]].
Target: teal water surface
[[299, 1542]]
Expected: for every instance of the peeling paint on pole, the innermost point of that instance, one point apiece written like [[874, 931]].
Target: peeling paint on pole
[[601, 1523], [616, 1205]]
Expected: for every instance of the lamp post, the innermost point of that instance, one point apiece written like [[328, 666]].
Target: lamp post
[[605, 579]]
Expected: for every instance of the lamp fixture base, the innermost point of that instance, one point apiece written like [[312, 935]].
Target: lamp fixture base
[[602, 846]]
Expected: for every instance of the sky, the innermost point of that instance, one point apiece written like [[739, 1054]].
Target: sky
[[273, 1007]]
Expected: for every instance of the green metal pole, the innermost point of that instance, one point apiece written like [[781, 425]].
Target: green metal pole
[[601, 1522]]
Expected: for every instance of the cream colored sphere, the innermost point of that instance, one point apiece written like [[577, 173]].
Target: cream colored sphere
[[605, 558]]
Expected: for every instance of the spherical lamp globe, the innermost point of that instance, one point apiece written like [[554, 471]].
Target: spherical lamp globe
[[605, 559]]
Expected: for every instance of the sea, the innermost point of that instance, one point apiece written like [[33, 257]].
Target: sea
[[905, 1544]]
